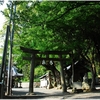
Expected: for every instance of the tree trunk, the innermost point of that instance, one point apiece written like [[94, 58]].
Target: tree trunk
[[93, 71], [55, 73]]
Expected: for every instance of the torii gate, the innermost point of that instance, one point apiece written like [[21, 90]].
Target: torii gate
[[35, 58]]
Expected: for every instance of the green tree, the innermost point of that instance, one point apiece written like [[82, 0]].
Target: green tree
[[70, 26]]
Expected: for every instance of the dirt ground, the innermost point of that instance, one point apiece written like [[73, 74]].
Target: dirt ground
[[52, 94]]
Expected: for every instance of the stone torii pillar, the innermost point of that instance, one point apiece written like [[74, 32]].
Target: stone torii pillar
[[63, 83], [31, 83]]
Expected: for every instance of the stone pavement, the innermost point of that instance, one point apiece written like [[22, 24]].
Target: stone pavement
[[50, 94]]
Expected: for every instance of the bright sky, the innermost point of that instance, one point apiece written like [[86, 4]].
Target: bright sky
[[2, 18]]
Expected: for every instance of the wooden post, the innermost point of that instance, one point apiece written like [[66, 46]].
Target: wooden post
[[12, 20], [64, 87], [31, 86]]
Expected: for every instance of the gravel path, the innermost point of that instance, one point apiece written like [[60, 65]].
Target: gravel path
[[52, 94]]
